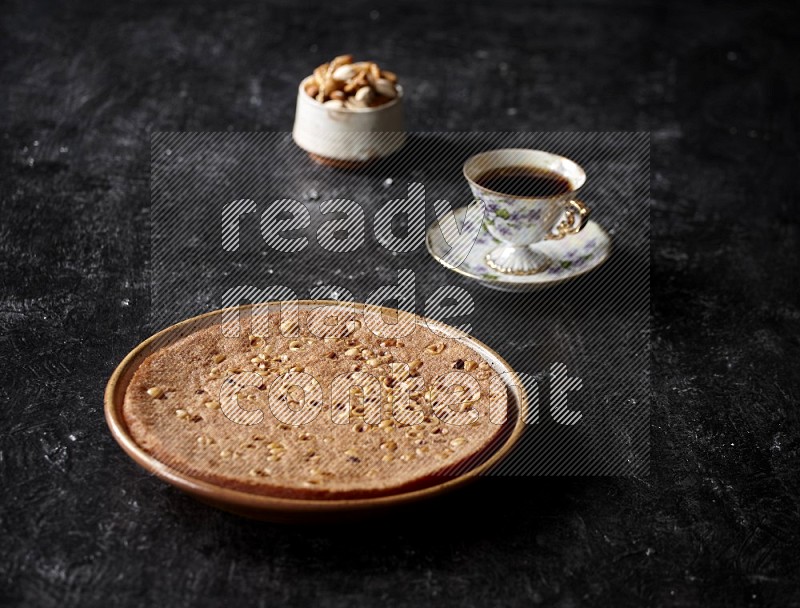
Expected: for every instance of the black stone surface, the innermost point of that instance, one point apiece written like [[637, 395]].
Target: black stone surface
[[715, 523]]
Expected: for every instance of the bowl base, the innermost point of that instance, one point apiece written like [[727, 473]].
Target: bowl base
[[339, 164]]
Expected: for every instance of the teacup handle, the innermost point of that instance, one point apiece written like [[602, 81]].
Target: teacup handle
[[569, 225]]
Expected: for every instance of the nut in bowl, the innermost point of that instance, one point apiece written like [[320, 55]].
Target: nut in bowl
[[349, 113]]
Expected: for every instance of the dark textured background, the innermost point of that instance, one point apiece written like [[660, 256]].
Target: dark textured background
[[716, 521]]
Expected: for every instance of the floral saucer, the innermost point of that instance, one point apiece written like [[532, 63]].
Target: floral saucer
[[571, 256]]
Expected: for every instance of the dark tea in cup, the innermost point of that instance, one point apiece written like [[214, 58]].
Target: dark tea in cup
[[524, 181]]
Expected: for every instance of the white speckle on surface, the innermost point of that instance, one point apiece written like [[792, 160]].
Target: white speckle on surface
[[670, 132], [125, 302], [312, 195], [511, 111], [63, 149], [72, 437], [388, 182]]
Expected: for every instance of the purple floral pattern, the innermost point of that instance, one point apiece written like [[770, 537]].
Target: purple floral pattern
[[570, 256], [519, 221]]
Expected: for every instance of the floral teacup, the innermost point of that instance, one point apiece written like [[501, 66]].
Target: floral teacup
[[519, 222]]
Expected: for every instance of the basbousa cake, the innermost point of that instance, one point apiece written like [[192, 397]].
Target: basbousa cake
[[317, 405]]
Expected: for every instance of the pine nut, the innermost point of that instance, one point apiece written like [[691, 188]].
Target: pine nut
[[435, 348], [288, 326]]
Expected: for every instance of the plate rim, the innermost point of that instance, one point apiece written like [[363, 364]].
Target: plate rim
[[240, 501]]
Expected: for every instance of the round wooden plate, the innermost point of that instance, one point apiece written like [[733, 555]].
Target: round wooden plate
[[289, 510]]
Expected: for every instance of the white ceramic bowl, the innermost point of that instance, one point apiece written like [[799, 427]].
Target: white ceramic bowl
[[356, 136]]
